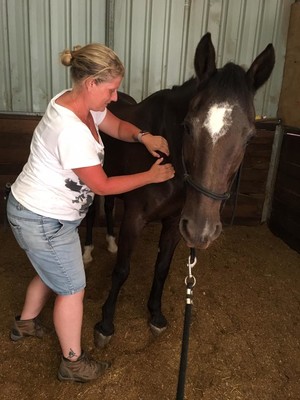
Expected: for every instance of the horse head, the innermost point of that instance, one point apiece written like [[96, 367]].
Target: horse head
[[219, 123]]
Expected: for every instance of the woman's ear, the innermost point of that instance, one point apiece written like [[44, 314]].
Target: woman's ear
[[90, 83]]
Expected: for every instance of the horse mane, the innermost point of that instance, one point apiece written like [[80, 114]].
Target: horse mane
[[180, 95], [184, 89], [185, 86], [230, 83]]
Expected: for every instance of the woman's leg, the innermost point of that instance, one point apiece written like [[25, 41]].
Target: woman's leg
[[76, 365], [67, 318], [36, 297]]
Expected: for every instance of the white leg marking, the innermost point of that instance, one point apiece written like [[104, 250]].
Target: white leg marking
[[111, 244], [87, 254]]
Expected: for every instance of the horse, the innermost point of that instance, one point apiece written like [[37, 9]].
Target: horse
[[207, 121], [109, 203]]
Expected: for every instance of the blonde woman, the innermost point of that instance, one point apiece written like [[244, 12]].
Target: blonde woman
[[52, 194]]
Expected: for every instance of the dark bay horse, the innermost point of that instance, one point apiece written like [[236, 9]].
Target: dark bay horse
[[109, 202], [207, 122]]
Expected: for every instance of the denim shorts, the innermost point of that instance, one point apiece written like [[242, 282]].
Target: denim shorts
[[52, 246]]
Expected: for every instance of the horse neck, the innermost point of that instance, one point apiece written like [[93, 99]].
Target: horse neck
[[181, 96], [176, 107]]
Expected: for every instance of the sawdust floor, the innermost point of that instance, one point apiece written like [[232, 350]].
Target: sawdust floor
[[244, 336]]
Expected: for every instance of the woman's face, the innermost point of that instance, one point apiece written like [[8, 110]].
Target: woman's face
[[103, 93]]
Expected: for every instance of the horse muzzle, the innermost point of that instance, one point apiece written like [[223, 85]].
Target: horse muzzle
[[199, 236]]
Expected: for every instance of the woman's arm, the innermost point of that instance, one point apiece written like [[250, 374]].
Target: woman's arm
[[96, 179], [128, 132]]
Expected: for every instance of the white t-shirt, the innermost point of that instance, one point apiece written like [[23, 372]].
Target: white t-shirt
[[61, 142]]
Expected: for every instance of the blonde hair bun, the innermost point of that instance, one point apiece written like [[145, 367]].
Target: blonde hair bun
[[66, 58], [93, 60]]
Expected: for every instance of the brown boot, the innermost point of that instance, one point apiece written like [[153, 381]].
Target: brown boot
[[24, 328], [84, 369]]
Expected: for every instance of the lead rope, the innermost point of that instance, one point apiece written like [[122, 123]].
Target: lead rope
[[190, 282]]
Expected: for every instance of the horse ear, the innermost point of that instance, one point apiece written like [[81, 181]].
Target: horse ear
[[205, 58], [261, 68]]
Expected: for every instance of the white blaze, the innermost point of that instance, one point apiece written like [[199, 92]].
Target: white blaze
[[218, 120]]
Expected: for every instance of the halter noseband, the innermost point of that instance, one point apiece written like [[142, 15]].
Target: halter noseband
[[215, 196]]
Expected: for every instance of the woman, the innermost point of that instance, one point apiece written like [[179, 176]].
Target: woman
[[52, 194]]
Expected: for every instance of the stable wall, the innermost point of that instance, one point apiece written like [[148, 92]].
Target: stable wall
[[285, 216], [253, 201], [289, 103], [156, 40], [15, 138]]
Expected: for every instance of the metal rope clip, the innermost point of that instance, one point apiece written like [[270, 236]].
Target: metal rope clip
[[190, 281]]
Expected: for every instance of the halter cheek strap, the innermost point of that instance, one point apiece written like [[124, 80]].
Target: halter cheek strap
[[206, 192], [201, 189]]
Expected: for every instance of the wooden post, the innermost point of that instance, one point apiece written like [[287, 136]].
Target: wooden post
[[289, 102]]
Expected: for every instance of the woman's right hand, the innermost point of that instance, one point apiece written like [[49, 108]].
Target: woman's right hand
[[97, 180], [161, 173]]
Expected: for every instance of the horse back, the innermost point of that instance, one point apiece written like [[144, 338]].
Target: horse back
[[123, 158], [156, 115]]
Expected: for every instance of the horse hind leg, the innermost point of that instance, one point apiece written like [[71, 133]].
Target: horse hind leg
[[169, 239], [90, 220], [111, 243], [112, 247], [109, 204], [87, 253]]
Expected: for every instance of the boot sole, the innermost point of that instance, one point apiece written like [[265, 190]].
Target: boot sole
[[15, 338], [67, 378]]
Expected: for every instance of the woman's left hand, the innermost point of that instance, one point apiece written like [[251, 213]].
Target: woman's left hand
[[154, 143]]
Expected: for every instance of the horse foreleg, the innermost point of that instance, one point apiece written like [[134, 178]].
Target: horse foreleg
[[104, 329], [109, 204], [88, 244], [169, 239]]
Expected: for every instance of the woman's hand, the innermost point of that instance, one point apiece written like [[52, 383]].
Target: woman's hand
[[154, 143], [161, 173]]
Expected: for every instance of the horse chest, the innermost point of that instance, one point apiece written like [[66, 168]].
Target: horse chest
[[155, 202]]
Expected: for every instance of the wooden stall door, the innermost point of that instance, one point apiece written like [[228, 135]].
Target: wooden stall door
[[285, 215]]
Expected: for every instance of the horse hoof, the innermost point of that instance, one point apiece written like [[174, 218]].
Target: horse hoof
[[87, 254], [156, 331], [111, 244], [101, 340]]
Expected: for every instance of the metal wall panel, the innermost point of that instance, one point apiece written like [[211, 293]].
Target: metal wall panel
[[32, 34], [156, 39]]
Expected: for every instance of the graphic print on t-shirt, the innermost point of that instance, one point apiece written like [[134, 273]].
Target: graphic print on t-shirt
[[84, 197]]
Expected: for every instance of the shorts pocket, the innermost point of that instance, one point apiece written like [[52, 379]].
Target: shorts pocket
[[18, 234], [52, 228]]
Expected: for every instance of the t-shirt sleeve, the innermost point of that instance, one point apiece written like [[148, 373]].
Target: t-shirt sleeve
[[99, 116]]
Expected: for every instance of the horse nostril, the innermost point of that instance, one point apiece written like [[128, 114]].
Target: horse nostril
[[198, 234], [218, 230], [183, 225]]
